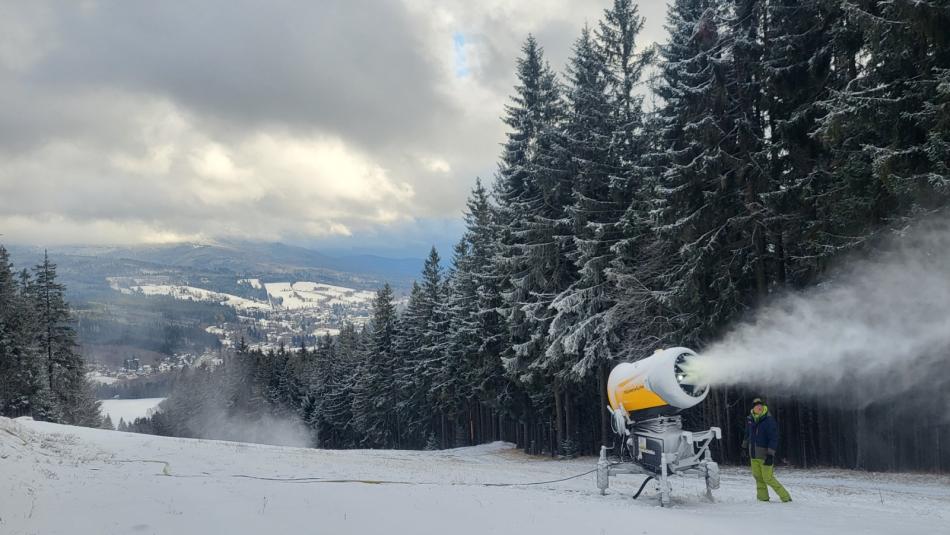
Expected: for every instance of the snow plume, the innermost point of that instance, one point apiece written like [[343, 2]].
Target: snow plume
[[219, 424], [266, 429], [877, 330]]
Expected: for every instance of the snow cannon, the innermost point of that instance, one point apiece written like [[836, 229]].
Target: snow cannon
[[645, 398], [655, 386]]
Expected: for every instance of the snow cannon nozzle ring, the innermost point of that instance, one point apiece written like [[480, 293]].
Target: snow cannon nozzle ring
[[685, 376]]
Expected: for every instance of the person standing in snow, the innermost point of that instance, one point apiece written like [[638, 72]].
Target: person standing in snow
[[761, 441]]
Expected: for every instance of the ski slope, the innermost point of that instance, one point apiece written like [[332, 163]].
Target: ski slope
[[57, 480]]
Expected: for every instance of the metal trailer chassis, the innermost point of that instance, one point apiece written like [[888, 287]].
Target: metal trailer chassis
[[680, 453]]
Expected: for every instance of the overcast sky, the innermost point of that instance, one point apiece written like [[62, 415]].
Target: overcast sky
[[332, 124]]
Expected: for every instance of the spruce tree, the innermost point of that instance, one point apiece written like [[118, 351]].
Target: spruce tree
[[492, 335], [533, 192], [580, 341], [695, 271], [17, 376], [72, 396], [453, 387], [428, 360], [887, 127], [9, 365], [375, 397], [408, 339], [337, 406], [581, 338], [617, 35], [320, 375], [798, 71], [626, 224], [532, 195], [747, 169], [24, 385]]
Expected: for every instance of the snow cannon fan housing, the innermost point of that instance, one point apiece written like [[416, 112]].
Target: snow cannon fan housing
[[655, 386]]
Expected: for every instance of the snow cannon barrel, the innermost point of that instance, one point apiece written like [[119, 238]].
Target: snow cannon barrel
[[655, 386]]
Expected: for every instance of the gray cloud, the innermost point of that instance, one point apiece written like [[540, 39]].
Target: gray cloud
[[158, 121], [338, 64]]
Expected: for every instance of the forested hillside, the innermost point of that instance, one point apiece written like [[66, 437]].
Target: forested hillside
[[42, 374], [645, 198]]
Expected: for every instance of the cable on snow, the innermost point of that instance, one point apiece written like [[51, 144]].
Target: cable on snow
[[393, 482], [166, 471]]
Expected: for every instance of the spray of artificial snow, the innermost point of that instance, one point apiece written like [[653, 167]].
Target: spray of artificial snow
[[877, 330], [272, 430], [216, 423]]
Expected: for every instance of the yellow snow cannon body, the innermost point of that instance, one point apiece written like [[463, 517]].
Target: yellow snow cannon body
[[645, 397], [655, 386]]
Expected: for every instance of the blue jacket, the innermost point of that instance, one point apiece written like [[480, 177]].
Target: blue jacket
[[762, 434]]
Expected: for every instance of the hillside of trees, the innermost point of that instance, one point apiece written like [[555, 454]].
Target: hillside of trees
[[42, 374], [149, 326], [779, 136]]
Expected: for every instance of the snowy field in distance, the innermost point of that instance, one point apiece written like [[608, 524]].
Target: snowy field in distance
[[253, 283], [64, 480], [128, 409], [101, 379], [191, 293], [299, 295], [281, 295], [323, 331]]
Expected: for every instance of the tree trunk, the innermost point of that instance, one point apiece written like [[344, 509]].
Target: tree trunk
[[803, 432], [443, 431], [728, 439], [781, 269], [559, 418], [526, 427], [602, 409], [761, 281], [569, 417], [859, 456]]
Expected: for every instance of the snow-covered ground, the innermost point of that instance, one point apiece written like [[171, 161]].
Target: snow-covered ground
[[129, 409], [282, 295], [191, 293], [253, 283], [302, 295], [96, 377], [57, 480], [323, 331]]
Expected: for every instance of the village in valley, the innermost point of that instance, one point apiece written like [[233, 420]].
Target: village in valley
[[268, 315]]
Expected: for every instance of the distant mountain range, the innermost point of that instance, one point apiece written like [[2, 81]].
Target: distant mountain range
[[238, 258], [114, 323]]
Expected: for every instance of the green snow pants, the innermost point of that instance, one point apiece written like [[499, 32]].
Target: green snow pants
[[765, 475]]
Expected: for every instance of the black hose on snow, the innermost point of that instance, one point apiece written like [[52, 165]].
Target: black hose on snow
[[645, 481]]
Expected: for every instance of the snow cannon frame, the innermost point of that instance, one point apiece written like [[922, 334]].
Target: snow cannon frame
[[645, 397]]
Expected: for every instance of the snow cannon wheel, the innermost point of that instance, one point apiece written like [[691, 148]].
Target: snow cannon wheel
[[712, 476]]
